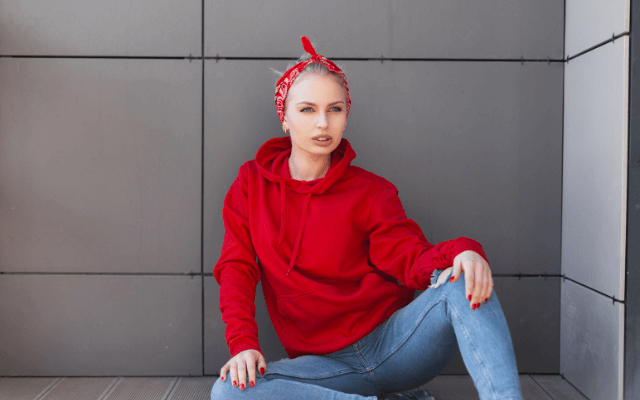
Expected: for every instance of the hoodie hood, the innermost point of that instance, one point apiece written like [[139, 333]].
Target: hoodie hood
[[272, 160]]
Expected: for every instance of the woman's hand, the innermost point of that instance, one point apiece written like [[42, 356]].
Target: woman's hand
[[477, 277], [244, 362]]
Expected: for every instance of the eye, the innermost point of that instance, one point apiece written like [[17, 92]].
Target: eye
[[306, 108], [337, 108]]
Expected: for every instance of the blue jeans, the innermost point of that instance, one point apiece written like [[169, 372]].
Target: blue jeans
[[404, 352]]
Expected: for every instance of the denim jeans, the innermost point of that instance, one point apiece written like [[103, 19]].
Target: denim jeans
[[404, 352]]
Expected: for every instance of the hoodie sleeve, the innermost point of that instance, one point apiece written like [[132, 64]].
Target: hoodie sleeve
[[398, 246], [237, 272]]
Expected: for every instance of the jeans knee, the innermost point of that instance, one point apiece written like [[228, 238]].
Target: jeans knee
[[224, 391]]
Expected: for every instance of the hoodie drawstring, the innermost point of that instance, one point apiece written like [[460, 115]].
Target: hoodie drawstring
[[299, 233], [281, 234], [303, 219]]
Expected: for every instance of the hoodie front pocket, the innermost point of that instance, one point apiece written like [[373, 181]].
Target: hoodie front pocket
[[320, 310]]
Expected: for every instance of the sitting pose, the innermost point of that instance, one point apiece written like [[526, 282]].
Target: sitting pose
[[340, 263]]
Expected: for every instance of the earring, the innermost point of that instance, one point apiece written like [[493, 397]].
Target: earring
[[287, 132]]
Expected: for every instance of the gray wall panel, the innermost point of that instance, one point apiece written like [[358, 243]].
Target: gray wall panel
[[589, 22], [534, 325], [239, 116], [591, 342], [100, 167], [361, 28], [99, 28], [595, 168], [474, 148], [100, 325], [216, 350], [632, 281]]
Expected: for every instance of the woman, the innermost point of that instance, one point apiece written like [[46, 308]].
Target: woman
[[339, 263]]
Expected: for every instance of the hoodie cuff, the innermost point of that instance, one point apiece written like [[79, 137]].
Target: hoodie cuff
[[243, 345], [463, 244]]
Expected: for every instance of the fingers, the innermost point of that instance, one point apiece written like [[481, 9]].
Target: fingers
[[469, 283], [223, 372], [476, 291], [457, 269], [251, 359], [233, 372], [487, 294], [262, 364], [242, 373]]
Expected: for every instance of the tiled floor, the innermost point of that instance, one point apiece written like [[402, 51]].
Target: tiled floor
[[445, 387]]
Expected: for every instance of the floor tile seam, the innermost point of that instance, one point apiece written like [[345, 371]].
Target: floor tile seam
[[49, 388], [541, 387], [170, 390], [111, 388]]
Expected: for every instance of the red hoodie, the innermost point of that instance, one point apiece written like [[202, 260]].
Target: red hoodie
[[330, 253]]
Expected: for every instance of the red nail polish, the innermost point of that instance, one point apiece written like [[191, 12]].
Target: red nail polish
[[222, 378], [473, 307], [478, 305], [241, 386], [469, 297], [251, 384], [235, 383], [262, 371], [452, 278], [487, 299]]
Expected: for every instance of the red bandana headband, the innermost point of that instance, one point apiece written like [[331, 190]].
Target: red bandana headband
[[284, 83]]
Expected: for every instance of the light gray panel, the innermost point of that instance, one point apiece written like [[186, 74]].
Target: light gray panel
[[589, 22], [474, 148], [591, 342], [595, 168], [216, 352], [532, 309], [100, 325], [100, 165], [101, 28], [361, 28]]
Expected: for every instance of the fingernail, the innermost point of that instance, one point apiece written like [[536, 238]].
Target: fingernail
[[487, 299], [251, 383], [241, 386], [235, 383], [473, 307], [222, 378], [469, 297], [478, 305], [452, 278], [261, 371]]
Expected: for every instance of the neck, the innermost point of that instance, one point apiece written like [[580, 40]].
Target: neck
[[307, 167]]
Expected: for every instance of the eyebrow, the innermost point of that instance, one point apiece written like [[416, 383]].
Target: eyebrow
[[312, 104]]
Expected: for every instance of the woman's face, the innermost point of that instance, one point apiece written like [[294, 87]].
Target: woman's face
[[316, 108]]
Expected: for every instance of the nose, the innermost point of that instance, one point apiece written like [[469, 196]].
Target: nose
[[322, 120]]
